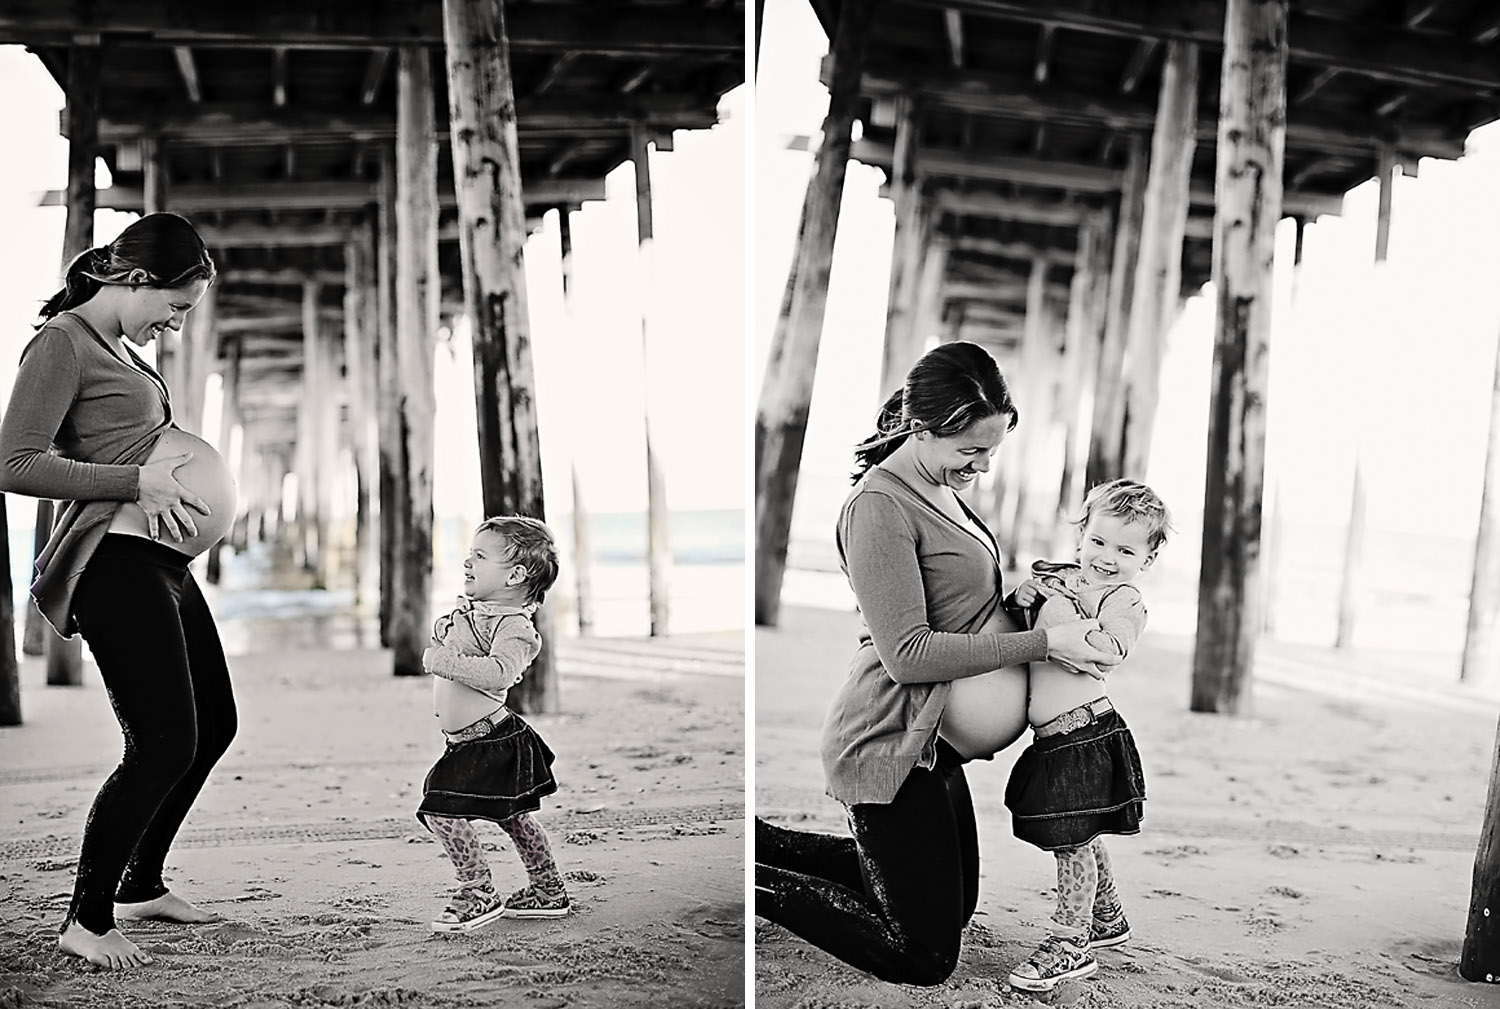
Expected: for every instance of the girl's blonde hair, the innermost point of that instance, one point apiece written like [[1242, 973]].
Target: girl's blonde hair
[[531, 546], [1130, 501]]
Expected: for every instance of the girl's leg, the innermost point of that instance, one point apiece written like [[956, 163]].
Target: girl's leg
[[905, 923], [214, 714], [1106, 897], [531, 844], [128, 614], [1077, 882], [462, 845]]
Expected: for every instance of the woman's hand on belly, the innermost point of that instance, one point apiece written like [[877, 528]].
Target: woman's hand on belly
[[165, 501]]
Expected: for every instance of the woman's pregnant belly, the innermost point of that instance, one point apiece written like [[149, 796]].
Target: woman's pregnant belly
[[986, 713], [206, 475]]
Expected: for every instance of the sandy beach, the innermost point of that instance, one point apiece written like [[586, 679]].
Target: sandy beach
[[1317, 853], [304, 841]]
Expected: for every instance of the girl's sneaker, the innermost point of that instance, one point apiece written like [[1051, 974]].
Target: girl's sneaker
[[533, 902], [474, 905], [1109, 931], [1056, 959]]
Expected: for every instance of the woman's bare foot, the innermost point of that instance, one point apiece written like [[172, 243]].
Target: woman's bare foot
[[167, 907], [110, 950]]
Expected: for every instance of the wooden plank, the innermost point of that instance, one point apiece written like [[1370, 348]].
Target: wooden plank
[[786, 390], [1361, 46], [187, 69], [487, 172], [1107, 430], [953, 30], [416, 290], [1010, 250], [369, 87], [561, 113], [1251, 145], [997, 96], [287, 276], [1158, 269], [1008, 208], [1352, 574], [658, 550], [190, 198], [898, 353], [1140, 58], [624, 30]]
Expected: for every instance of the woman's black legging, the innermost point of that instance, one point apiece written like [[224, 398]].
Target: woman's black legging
[[893, 899], [159, 655]]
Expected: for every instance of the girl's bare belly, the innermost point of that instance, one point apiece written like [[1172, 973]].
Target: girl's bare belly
[[457, 705], [986, 713], [1055, 689], [206, 475]]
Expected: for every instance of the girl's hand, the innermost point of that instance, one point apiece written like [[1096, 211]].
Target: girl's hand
[[1027, 592], [165, 501], [1070, 641]]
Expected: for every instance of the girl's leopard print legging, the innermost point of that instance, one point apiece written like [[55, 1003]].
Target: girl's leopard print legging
[[1085, 888], [464, 851]]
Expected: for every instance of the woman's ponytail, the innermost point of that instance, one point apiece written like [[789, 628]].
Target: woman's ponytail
[[80, 283], [891, 429]]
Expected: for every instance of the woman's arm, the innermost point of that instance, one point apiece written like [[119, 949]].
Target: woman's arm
[[47, 382], [880, 552]]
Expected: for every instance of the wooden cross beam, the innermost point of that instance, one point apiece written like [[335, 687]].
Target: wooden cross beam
[[638, 31], [953, 29], [287, 277], [1359, 47], [187, 69], [1000, 97], [568, 113], [292, 195], [374, 74]]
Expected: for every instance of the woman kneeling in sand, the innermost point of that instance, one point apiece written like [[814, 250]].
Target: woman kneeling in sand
[[893, 899], [90, 424]]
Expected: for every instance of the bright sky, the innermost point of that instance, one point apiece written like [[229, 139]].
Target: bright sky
[[1404, 364], [588, 373]]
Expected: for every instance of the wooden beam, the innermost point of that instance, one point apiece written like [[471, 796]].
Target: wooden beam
[[554, 72], [369, 88], [1316, 83], [1485, 27], [1158, 269], [1033, 379], [278, 76], [1044, 44], [645, 33], [1140, 58], [953, 30], [996, 96], [241, 123], [898, 354], [187, 69], [287, 276], [1355, 46], [1251, 143], [786, 390], [1008, 208], [1009, 250], [1107, 428], [304, 195], [155, 183], [487, 172], [1418, 11]]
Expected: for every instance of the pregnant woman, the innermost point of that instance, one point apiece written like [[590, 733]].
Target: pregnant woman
[[90, 424], [893, 899]]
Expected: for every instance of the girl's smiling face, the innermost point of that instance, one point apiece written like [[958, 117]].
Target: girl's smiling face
[[955, 460], [1114, 550], [147, 312]]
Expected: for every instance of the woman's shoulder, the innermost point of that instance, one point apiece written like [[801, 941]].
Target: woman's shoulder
[[876, 490], [61, 334]]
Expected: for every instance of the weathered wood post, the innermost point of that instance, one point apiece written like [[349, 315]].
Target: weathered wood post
[[10, 669], [65, 655], [359, 358], [658, 548], [1086, 317], [228, 415], [1480, 958], [583, 577], [1481, 658], [1158, 271], [492, 238], [906, 250], [786, 390], [1252, 137], [1031, 433], [154, 201], [392, 481], [927, 316], [312, 534], [1354, 542], [326, 461], [417, 289], [1107, 431]]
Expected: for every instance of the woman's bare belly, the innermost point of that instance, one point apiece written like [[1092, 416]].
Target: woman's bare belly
[[457, 705], [986, 713], [206, 475]]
